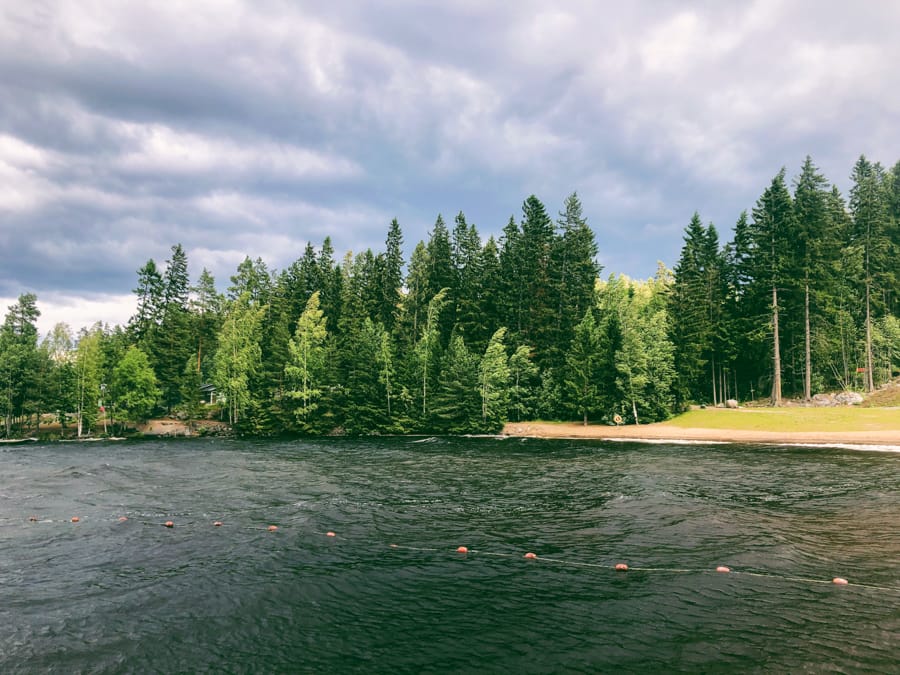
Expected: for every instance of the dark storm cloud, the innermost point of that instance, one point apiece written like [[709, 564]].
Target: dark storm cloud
[[250, 128]]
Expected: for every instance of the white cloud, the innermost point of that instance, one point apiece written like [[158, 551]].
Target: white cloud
[[159, 149], [79, 311]]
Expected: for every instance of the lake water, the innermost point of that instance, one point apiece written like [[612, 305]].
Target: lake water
[[102, 595]]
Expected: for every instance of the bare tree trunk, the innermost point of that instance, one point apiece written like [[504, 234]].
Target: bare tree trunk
[[807, 378], [715, 398], [776, 348], [870, 382]]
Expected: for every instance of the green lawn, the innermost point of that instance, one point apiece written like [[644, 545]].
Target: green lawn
[[792, 419]]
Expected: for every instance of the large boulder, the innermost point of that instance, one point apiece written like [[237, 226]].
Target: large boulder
[[731, 403], [848, 398], [823, 400]]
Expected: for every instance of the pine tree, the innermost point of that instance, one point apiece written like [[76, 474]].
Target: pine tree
[[698, 297], [457, 406], [583, 362], [392, 278], [172, 345], [441, 276], [493, 380], [19, 359], [150, 304], [428, 350], [773, 223], [523, 382], [574, 272], [869, 207], [811, 244]]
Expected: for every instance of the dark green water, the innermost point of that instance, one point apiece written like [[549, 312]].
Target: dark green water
[[105, 596]]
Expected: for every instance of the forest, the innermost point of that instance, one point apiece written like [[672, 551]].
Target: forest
[[470, 333]]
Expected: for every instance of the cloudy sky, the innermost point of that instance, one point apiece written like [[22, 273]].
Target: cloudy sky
[[249, 127]]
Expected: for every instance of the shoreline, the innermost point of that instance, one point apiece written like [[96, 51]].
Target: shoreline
[[666, 432]]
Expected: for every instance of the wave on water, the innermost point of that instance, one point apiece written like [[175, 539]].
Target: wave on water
[[665, 441], [847, 446]]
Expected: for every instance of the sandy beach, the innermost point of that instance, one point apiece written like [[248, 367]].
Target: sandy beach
[[663, 431]]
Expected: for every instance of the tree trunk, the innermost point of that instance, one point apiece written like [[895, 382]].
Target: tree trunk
[[870, 382], [807, 378], [776, 348]]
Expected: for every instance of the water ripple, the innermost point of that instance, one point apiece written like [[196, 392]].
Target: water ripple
[[102, 595]]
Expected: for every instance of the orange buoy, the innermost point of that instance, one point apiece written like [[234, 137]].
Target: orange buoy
[[272, 528], [531, 556], [839, 581], [330, 534], [462, 549], [218, 523], [169, 523], [621, 567], [722, 568], [75, 519]]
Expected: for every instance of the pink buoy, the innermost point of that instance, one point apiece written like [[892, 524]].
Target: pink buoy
[[122, 519], [722, 568], [218, 523], [75, 519], [272, 528], [531, 556], [330, 534], [621, 567], [839, 581], [169, 523], [393, 545], [462, 549]]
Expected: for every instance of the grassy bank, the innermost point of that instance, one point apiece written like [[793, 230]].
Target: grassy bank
[[838, 419]]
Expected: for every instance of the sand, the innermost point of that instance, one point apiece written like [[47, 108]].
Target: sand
[[663, 431]]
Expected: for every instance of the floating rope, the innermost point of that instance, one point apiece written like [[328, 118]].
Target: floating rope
[[464, 550]]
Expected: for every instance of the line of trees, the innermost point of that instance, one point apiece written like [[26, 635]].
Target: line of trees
[[470, 333], [804, 299]]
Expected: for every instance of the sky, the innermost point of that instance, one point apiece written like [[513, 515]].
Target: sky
[[251, 127]]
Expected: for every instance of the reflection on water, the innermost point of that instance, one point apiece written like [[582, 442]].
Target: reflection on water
[[110, 595]]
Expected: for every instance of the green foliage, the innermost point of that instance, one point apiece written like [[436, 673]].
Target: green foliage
[[134, 386], [457, 405], [305, 369], [493, 380], [804, 297], [238, 355]]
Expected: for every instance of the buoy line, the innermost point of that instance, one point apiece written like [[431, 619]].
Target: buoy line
[[464, 550], [623, 567]]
